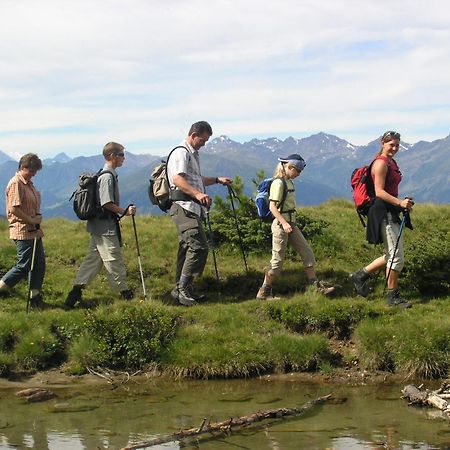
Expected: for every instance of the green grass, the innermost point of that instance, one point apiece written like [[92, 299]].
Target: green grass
[[231, 334]]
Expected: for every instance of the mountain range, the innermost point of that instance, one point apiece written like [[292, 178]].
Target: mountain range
[[330, 162]]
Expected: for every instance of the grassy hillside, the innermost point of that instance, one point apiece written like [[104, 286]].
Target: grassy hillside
[[231, 334]]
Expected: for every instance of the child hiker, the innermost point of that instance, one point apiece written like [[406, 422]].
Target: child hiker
[[284, 228]]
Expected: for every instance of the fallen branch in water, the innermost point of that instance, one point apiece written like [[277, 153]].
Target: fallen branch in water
[[229, 425], [111, 375], [437, 399]]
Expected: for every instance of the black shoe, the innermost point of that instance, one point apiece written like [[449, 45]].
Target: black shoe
[[75, 295], [5, 293], [395, 299], [360, 279], [127, 294], [36, 302]]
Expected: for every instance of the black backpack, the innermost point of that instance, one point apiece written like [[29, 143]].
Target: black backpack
[[86, 203]]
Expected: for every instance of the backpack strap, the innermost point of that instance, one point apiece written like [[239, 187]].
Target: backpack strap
[[167, 161], [177, 194], [285, 193], [105, 214]]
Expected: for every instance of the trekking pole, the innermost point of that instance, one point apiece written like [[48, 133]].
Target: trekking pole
[[211, 238], [402, 225], [137, 249], [30, 273], [232, 194], [139, 258]]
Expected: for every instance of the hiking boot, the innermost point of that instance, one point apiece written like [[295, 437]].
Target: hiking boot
[[127, 294], [184, 297], [75, 295], [395, 299], [265, 293], [359, 280], [5, 293], [197, 297], [36, 302], [323, 288]]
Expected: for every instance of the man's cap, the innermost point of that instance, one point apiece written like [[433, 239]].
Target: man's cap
[[295, 160]]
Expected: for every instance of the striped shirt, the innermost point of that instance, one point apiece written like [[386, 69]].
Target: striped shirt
[[22, 194]]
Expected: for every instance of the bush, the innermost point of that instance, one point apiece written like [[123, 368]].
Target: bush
[[129, 336]]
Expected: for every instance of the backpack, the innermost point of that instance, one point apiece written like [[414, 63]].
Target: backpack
[[262, 198], [363, 190], [159, 186], [86, 203]]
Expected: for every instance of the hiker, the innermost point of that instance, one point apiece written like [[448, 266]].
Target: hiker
[[189, 208], [284, 228], [23, 210], [105, 243], [383, 223]]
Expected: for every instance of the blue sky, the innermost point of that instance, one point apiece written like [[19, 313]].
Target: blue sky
[[75, 75]]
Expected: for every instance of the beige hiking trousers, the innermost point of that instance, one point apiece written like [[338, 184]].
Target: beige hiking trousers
[[280, 240]]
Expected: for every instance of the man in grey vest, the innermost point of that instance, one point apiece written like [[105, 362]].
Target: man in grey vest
[[189, 208]]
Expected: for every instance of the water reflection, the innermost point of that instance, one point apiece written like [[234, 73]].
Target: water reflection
[[89, 418]]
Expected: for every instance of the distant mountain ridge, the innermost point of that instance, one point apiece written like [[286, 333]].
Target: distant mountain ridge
[[330, 161]]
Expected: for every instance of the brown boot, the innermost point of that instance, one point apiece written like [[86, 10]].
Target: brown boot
[[265, 293]]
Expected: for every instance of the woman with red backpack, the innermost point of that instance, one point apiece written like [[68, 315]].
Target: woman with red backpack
[[383, 224]]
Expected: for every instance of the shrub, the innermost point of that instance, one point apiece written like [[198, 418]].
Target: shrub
[[129, 336], [37, 349]]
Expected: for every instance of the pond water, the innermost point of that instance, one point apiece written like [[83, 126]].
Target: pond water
[[107, 417]]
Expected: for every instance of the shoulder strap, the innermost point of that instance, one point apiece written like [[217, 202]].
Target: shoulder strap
[[167, 160], [285, 192]]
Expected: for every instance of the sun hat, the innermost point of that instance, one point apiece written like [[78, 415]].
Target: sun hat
[[295, 160]]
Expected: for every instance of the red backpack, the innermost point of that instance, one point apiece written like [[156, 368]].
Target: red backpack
[[363, 190]]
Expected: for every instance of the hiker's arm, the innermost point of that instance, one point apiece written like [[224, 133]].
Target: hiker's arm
[[116, 209], [284, 223], [181, 183], [24, 217], [379, 170], [208, 181]]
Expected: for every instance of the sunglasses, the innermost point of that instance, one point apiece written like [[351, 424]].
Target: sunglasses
[[119, 154], [390, 135]]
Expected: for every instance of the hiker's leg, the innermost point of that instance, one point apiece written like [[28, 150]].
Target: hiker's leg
[[301, 246], [279, 245], [376, 264], [38, 274], [193, 245], [197, 251], [111, 254], [91, 264], [390, 233], [23, 264]]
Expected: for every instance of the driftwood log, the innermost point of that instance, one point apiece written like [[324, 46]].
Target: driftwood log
[[437, 399], [218, 429]]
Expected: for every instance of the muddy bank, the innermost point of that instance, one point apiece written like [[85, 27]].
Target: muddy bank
[[58, 379]]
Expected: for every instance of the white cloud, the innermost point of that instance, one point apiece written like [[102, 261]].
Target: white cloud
[[75, 74]]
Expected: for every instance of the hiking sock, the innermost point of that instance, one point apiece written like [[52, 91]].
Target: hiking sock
[[3, 286]]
